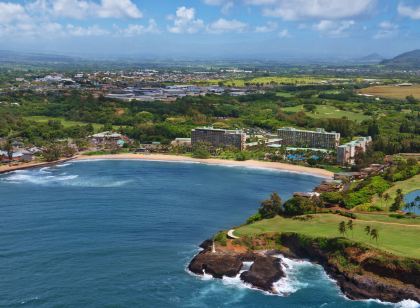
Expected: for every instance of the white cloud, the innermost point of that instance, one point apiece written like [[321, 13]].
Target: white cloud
[[334, 28], [185, 21], [80, 9], [136, 29], [387, 29], [85, 31], [10, 12], [284, 33], [314, 9], [409, 11], [270, 26], [119, 9], [226, 5], [223, 25]]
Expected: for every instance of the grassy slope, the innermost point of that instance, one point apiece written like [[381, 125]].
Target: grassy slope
[[327, 111], [406, 186], [396, 239]]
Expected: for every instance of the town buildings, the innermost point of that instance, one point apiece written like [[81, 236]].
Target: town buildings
[[309, 139], [218, 138], [346, 153]]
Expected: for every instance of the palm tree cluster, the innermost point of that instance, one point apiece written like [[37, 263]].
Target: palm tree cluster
[[371, 232]]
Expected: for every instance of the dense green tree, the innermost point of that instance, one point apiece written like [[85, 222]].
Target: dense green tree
[[271, 207]]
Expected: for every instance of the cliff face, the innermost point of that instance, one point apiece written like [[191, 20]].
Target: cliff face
[[360, 272]]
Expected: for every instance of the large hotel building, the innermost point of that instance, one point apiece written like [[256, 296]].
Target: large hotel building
[[346, 153], [309, 139], [218, 138]]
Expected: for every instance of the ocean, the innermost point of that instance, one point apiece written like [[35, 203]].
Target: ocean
[[121, 234]]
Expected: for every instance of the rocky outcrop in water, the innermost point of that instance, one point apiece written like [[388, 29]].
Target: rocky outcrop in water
[[264, 271]]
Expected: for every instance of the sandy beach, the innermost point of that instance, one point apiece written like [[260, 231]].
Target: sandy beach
[[30, 165], [214, 161]]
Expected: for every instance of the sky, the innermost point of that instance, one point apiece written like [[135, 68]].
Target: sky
[[266, 29]]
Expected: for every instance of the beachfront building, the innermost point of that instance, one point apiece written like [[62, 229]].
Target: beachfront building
[[347, 152], [218, 138], [109, 139], [181, 142], [308, 139]]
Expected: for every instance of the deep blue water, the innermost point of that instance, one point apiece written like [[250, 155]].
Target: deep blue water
[[120, 233]]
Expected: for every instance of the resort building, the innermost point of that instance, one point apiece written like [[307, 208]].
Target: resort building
[[309, 139], [109, 139], [218, 138], [181, 142], [347, 152]]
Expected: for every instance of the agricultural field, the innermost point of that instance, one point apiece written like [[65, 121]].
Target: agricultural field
[[393, 91], [328, 112], [396, 236], [270, 80]]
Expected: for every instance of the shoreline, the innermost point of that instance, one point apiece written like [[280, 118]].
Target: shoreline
[[31, 165], [212, 161]]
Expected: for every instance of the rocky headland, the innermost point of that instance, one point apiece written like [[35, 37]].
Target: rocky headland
[[361, 272]]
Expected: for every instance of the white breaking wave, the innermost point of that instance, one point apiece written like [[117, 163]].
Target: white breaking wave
[[45, 177], [284, 287], [290, 283], [407, 303], [63, 165]]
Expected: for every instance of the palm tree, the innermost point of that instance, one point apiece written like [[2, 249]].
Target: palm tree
[[367, 230], [374, 235], [380, 195], [386, 198], [342, 228], [350, 226]]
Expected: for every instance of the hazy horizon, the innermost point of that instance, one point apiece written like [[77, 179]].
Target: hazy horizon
[[219, 29]]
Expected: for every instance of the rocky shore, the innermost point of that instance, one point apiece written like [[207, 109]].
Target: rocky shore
[[360, 272], [264, 271]]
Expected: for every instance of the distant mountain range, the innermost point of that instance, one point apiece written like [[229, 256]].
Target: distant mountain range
[[373, 58], [407, 60], [28, 57]]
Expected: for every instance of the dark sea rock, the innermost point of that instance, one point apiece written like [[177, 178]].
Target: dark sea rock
[[263, 273], [216, 264]]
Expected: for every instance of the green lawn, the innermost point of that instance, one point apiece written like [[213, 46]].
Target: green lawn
[[66, 123], [385, 218], [328, 112], [396, 239], [284, 94]]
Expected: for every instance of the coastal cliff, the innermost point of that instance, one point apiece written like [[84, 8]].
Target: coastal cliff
[[361, 272]]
